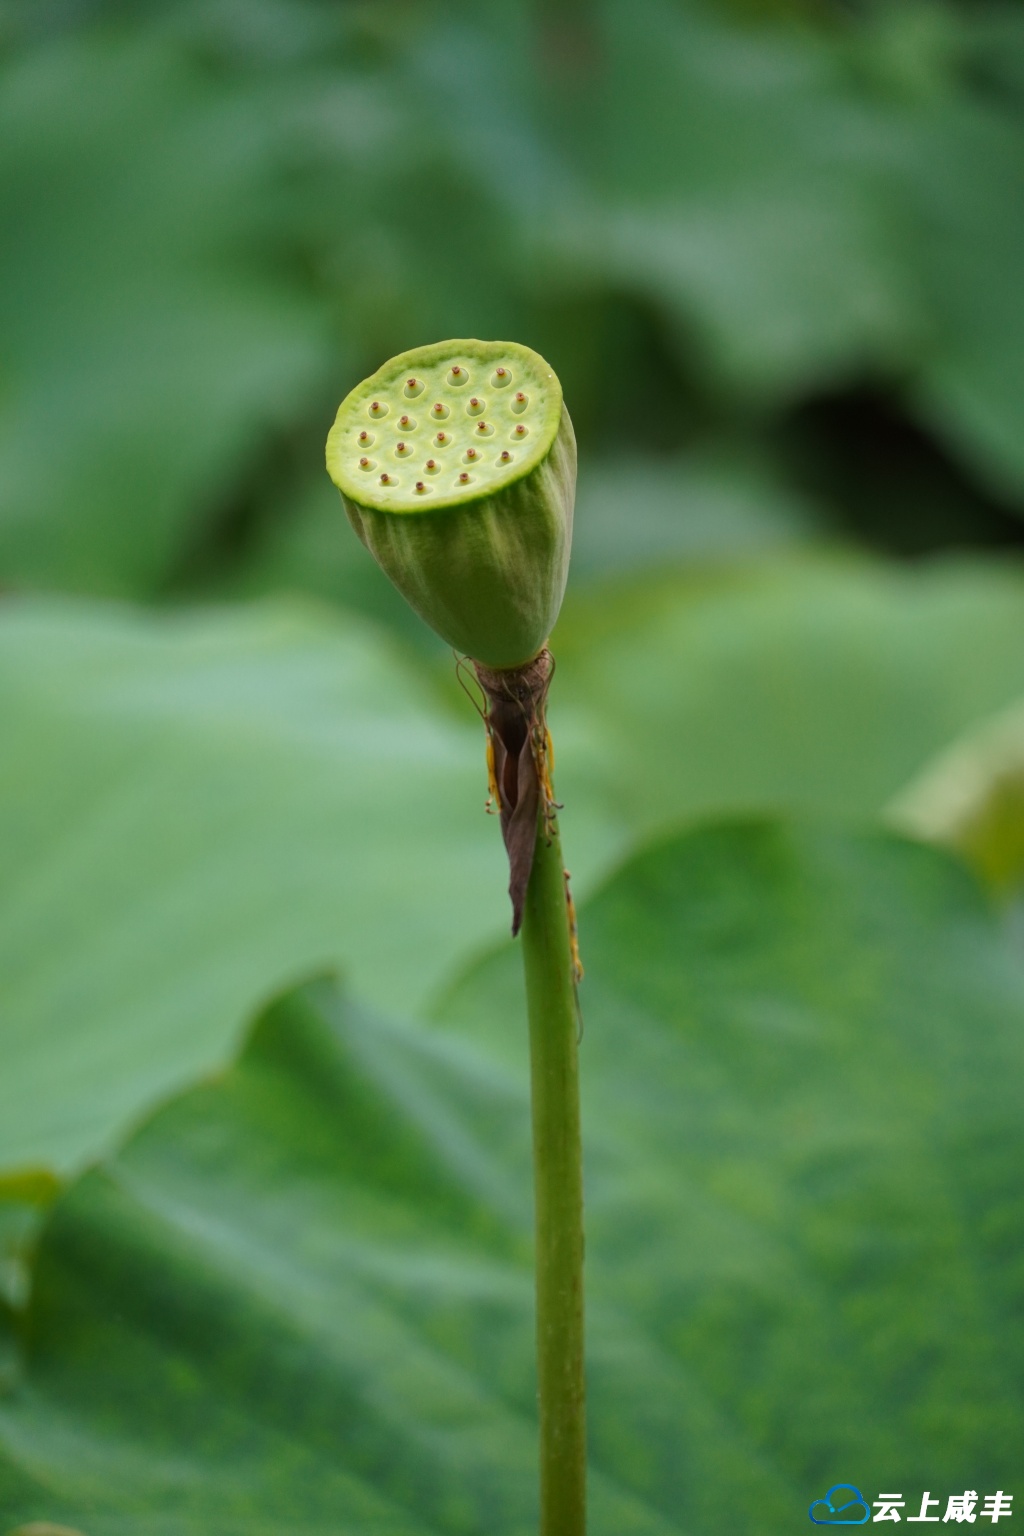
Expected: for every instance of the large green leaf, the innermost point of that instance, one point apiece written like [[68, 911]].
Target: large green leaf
[[299, 1300], [820, 684], [195, 809]]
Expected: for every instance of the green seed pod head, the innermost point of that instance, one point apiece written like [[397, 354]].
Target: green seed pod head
[[457, 467]]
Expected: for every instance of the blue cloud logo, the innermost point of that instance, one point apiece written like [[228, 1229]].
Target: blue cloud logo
[[828, 1511]]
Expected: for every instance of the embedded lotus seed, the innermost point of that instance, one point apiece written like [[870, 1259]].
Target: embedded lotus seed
[[484, 429], [506, 457], [431, 466], [520, 431], [386, 479], [402, 450], [470, 455], [520, 402], [475, 406], [441, 439], [378, 409], [464, 478], [407, 423], [440, 411], [457, 375], [413, 387], [500, 378], [421, 488], [366, 438], [367, 464]]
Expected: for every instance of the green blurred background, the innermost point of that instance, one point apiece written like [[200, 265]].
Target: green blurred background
[[775, 252]]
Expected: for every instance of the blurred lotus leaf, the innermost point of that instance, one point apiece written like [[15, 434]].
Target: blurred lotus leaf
[[199, 807], [972, 799], [150, 349], [217, 219], [302, 1292]]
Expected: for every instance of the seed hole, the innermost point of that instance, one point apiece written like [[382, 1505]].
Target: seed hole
[[457, 375], [484, 429], [520, 431], [501, 378], [378, 409], [464, 478], [439, 411], [366, 439], [475, 406], [413, 387], [520, 402], [367, 464]]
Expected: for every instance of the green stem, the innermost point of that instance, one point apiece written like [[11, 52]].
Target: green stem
[[558, 1190]]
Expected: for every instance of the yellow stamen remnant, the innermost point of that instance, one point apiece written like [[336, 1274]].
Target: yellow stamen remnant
[[544, 757], [493, 795], [574, 937]]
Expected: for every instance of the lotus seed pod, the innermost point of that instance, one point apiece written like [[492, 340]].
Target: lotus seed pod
[[473, 524]]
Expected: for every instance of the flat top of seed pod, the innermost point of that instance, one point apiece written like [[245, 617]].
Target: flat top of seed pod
[[443, 425]]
